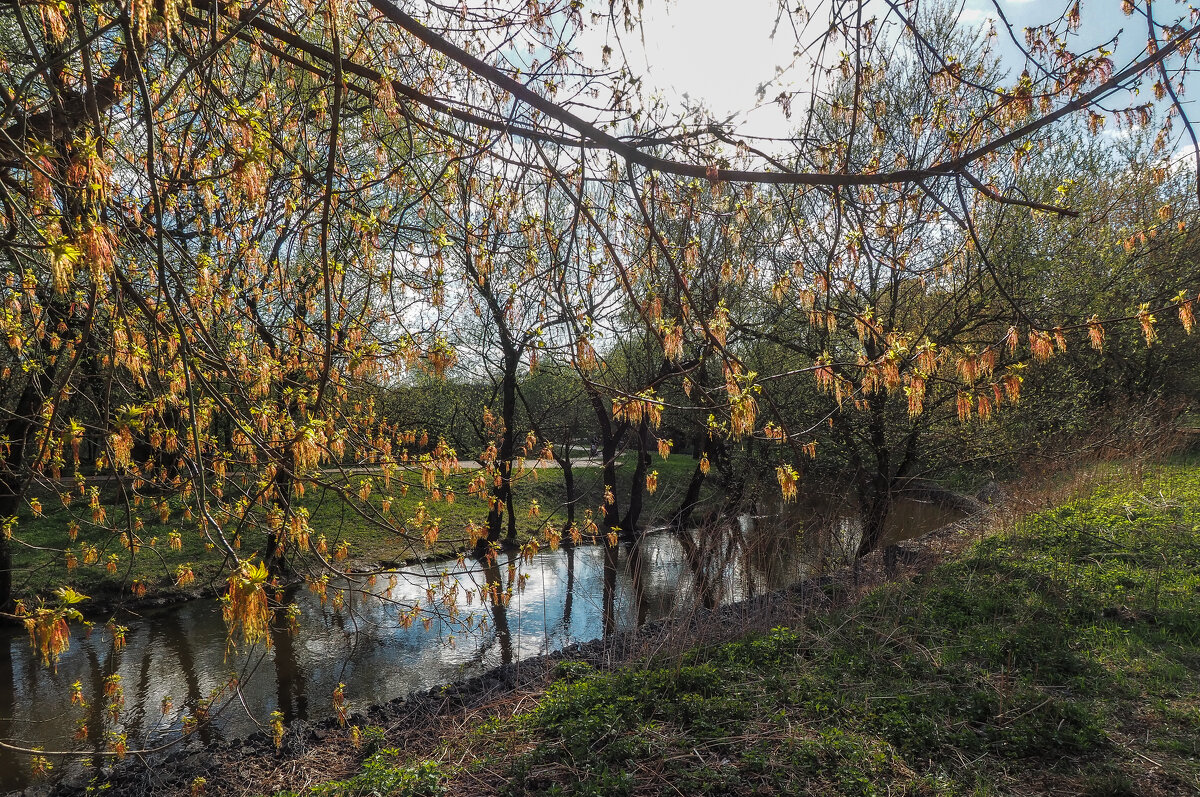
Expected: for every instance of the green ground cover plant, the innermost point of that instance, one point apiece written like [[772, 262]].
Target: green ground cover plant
[[1059, 654]]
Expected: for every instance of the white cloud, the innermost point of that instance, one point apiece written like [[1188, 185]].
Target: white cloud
[[699, 51]]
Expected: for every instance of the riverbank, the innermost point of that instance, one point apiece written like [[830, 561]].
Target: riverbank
[[171, 543], [311, 746], [1055, 654], [174, 562], [442, 725]]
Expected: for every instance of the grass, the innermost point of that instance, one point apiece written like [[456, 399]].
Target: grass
[[40, 562], [379, 776], [1058, 655]]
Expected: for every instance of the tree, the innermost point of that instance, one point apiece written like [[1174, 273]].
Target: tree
[[227, 227]]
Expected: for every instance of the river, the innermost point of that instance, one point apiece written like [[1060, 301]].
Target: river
[[569, 595]]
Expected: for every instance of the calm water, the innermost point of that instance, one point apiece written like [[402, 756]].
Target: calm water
[[568, 596]]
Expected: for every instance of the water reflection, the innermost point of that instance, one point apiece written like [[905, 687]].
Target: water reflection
[[574, 594], [291, 695]]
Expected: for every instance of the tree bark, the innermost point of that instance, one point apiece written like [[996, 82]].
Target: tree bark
[[633, 516], [502, 499], [875, 498], [683, 515]]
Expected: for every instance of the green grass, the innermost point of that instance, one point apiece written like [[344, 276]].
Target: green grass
[[1061, 656], [40, 541], [381, 776]]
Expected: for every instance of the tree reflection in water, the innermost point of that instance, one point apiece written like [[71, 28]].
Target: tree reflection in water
[[600, 590], [289, 674]]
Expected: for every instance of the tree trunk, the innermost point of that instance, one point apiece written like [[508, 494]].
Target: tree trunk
[[496, 599], [636, 564], [569, 599], [568, 472], [612, 516], [875, 509], [502, 499], [6, 566], [876, 494], [683, 516], [633, 517], [291, 694], [695, 558], [273, 555], [610, 435], [13, 474], [609, 597]]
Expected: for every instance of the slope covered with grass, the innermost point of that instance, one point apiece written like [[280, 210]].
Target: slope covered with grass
[[1059, 655]]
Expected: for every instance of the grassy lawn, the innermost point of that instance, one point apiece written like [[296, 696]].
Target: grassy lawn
[[41, 564], [1057, 656]]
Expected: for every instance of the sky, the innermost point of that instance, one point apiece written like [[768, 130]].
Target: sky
[[696, 49], [699, 50]]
